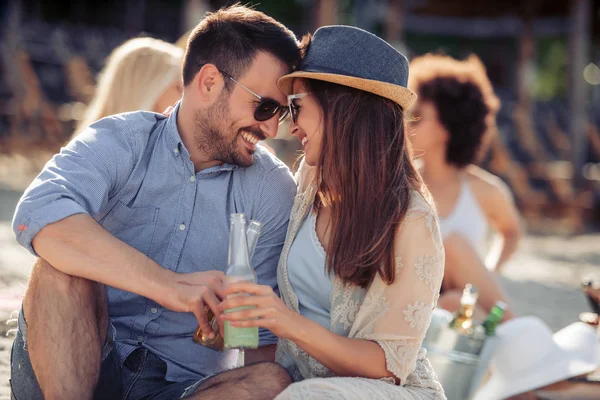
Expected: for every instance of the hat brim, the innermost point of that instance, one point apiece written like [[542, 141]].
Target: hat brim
[[580, 340], [560, 368], [401, 95]]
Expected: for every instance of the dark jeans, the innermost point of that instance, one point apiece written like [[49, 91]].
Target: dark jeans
[[140, 376]]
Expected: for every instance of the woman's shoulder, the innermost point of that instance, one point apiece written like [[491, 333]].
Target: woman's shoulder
[[487, 187], [304, 175], [421, 216], [484, 181], [421, 205]]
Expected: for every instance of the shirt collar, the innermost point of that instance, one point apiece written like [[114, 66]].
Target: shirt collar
[[177, 146], [173, 136]]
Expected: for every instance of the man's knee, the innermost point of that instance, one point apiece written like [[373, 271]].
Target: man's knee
[[272, 374], [46, 277], [47, 283], [262, 381]]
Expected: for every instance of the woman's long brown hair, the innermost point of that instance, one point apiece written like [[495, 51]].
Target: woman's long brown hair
[[366, 177]]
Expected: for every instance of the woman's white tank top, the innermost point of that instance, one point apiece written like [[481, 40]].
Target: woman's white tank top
[[467, 219]]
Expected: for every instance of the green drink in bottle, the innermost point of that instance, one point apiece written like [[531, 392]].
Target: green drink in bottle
[[239, 269], [494, 318]]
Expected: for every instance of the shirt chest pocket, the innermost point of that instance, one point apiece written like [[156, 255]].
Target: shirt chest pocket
[[133, 225]]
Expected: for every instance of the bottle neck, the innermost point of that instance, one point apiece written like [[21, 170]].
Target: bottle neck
[[495, 315], [239, 261], [466, 310], [252, 234]]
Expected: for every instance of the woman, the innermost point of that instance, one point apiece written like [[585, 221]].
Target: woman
[[455, 115], [363, 260], [140, 74]]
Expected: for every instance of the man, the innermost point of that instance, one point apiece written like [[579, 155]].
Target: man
[[131, 223]]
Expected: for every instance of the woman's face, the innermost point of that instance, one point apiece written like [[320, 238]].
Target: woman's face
[[308, 126], [428, 133], [169, 96]]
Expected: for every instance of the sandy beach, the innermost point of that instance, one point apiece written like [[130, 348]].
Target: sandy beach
[[542, 279]]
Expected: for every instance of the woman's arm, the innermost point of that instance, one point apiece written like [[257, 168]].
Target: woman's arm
[[497, 202], [504, 217], [341, 355]]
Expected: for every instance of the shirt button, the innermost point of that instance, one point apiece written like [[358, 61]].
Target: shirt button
[[192, 178], [140, 338], [182, 227], [154, 310], [176, 150]]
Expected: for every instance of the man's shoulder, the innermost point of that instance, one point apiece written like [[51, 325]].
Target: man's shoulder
[[266, 162], [129, 129], [131, 121], [269, 178]]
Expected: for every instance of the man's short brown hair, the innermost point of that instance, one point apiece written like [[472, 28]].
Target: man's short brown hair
[[230, 38]]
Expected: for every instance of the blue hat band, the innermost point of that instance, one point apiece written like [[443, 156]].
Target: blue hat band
[[326, 70]]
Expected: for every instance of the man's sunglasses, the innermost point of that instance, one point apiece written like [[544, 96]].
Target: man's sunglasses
[[266, 108]]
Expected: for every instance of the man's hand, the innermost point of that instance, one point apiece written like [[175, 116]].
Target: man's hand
[[195, 292]]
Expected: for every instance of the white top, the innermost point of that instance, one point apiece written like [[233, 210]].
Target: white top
[[467, 219], [307, 275]]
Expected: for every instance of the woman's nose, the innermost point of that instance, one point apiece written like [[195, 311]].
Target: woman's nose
[[294, 128]]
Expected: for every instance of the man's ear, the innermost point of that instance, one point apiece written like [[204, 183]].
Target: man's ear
[[209, 83]]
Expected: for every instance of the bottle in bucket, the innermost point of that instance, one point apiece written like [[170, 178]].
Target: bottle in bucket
[[494, 318], [216, 343], [239, 269], [463, 321]]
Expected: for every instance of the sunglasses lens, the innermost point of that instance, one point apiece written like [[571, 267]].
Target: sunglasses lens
[[293, 110], [266, 110]]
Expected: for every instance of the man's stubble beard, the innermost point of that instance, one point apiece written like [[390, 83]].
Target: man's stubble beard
[[214, 136]]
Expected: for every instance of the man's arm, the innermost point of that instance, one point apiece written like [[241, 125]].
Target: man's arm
[[54, 220], [79, 246]]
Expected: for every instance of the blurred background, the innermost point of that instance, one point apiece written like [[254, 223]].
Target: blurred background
[[542, 56]]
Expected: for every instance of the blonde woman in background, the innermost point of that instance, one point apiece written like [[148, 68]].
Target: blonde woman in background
[[141, 74]]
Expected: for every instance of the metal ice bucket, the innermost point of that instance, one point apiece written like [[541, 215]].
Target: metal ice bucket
[[458, 360]]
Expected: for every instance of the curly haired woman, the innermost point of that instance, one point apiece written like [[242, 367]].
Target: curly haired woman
[[454, 117]]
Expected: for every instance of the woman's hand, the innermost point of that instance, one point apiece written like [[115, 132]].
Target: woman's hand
[[269, 310]]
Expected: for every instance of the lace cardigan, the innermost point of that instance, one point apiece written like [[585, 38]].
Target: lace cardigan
[[394, 316]]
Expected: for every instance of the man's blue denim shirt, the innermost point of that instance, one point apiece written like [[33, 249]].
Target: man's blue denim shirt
[[177, 217]]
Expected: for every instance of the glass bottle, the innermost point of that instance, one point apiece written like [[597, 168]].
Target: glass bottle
[[494, 318], [239, 269], [216, 343], [463, 321], [252, 234]]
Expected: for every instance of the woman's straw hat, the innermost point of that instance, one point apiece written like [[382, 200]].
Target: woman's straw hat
[[353, 57]]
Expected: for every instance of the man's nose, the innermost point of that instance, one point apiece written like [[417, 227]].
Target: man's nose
[[270, 127]]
